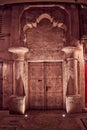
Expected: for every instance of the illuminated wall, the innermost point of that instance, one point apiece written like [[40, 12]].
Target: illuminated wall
[[52, 33]]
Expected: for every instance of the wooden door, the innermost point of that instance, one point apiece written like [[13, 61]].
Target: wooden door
[[45, 85], [53, 81], [1, 88], [36, 85]]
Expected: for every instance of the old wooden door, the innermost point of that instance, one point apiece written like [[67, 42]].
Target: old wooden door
[[1, 88], [45, 85], [53, 82], [36, 85]]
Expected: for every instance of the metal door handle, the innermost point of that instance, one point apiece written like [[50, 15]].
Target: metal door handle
[[47, 87], [39, 80]]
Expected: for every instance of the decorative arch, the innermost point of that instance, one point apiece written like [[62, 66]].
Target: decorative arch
[[44, 16], [41, 17]]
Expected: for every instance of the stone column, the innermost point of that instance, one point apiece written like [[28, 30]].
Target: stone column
[[72, 86], [19, 73], [74, 97], [72, 70], [79, 55], [19, 69]]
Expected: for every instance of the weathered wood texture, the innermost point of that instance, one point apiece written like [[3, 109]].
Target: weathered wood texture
[[45, 85]]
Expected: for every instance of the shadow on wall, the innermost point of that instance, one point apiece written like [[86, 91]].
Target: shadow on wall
[[70, 86], [20, 91]]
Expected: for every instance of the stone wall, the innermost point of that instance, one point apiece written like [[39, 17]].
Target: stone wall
[[7, 83], [45, 30]]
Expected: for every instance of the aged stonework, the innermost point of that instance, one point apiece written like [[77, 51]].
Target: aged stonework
[[42, 51]]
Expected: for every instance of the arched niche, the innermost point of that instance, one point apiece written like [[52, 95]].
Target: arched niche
[[44, 16], [31, 15], [57, 7], [40, 18]]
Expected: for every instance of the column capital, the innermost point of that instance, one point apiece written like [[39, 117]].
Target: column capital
[[71, 50], [84, 39], [19, 51]]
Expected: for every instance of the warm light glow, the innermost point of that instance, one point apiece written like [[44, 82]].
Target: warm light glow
[[18, 50], [63, 115], [26, 115]]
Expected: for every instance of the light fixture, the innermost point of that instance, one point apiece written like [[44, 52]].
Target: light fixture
[[83, 6], [63, 115], [25, 115]]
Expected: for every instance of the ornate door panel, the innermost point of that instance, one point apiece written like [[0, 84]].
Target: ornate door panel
[[45, 85], [53, 81], [36, 85]]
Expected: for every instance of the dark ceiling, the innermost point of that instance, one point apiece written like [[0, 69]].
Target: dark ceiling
[[2, 2]]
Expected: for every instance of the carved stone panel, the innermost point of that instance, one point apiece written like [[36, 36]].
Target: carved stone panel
[[43, 31]]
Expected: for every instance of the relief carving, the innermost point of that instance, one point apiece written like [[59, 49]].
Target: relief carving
[[43, 31]]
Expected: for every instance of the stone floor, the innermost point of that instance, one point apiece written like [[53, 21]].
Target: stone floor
[[42, 120]]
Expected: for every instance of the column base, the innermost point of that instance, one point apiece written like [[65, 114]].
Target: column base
[[74, 104], [17, 105]]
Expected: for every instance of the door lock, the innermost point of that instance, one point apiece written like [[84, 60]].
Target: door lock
[[47, 87], [39, 80]]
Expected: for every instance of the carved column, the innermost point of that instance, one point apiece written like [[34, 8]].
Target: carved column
[[19, 74], [72, 85], [19, 69], [18, 101], [74, 97], [72, 71]]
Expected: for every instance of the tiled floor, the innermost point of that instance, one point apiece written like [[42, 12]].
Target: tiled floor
[[42, 120]]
